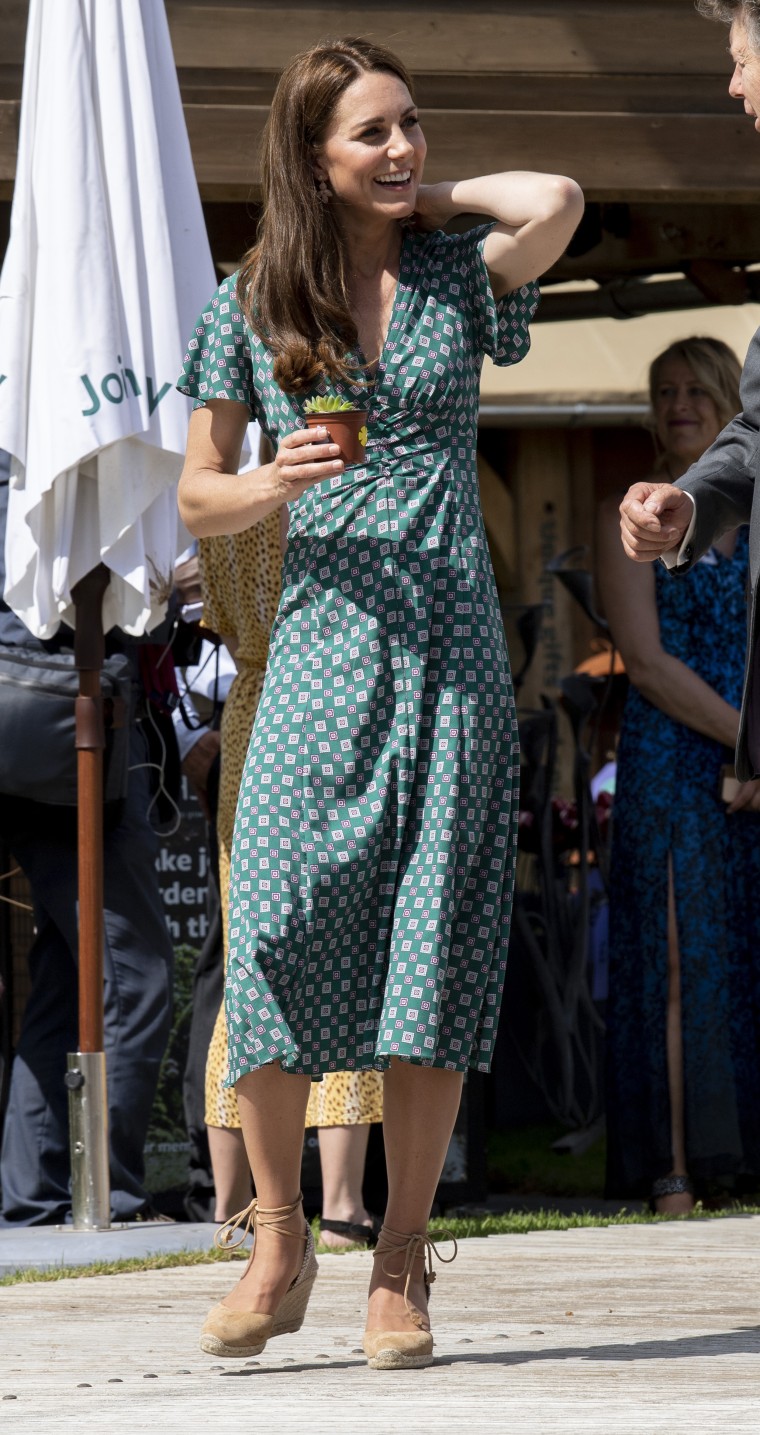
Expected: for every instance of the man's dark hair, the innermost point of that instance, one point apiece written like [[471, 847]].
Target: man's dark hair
[[746, 11]]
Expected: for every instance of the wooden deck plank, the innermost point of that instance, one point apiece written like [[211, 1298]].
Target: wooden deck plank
[[638, 1330]]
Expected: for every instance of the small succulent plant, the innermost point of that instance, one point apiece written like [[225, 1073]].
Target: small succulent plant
[[326, 404]]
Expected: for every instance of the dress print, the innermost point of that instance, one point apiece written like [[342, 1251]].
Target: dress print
[[374, 849], [240, 577]]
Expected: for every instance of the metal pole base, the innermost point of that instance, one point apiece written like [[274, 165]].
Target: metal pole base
[[88, 1134]]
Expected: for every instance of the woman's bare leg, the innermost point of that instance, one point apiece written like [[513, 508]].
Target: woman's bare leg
[[272, 1106], [342, 1154], [232, 1174], [677, 1204], [420, 1105]]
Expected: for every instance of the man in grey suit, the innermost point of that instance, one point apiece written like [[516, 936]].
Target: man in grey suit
[[678, 522]]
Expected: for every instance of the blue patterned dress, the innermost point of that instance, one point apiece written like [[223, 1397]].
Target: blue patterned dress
[[374, 850], [667, 801]]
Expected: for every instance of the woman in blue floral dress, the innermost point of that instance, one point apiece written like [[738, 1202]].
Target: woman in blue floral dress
[[683, 1059], [373, 857]]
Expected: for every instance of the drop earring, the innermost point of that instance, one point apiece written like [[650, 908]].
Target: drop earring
[[323, 191]]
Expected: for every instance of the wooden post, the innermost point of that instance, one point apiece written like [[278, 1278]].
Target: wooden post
[[544, 528], [85, 1077], [89, 651], [582, 521]]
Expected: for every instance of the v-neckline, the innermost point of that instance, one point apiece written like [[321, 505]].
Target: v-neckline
[[372, 388]]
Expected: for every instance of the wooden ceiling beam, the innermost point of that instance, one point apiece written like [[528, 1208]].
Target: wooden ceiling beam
[[680, 158], [633, 158], [592, 36], [615, 240], [579, 94]]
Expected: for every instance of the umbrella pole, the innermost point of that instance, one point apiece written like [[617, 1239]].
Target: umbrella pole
[[86, 1074]]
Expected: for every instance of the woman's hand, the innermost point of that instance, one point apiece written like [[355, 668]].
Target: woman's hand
[[433, 207], [654, 518], [215, 498], [747, 798], [305, 457]]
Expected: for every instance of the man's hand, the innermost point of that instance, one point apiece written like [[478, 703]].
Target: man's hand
[[197, 764], [653, 519]]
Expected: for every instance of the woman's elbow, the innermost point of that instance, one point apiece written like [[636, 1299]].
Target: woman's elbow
[[564, 198], [190, 510], [644, 673]]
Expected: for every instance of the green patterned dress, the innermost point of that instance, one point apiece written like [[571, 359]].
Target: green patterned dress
[[374, 849]]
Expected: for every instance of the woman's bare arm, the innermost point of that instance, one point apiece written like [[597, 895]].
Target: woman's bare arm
[[628, 595], [214, 498], [536, 216]]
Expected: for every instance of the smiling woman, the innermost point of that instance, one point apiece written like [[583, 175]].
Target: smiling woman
[[694, 393], [342, 118], [374, 851], [683, 1064]]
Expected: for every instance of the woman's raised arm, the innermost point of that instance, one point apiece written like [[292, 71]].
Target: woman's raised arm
[[536, 216]]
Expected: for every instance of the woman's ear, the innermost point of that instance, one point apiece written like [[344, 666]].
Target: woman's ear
[[316, 167]]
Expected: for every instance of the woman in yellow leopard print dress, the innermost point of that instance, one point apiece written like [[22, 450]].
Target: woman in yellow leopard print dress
[[240, 576]]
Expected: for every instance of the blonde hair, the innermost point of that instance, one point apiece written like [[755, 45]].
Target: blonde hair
[[714, 366]]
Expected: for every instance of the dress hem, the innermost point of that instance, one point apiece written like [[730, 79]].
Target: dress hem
[[380, 1063]]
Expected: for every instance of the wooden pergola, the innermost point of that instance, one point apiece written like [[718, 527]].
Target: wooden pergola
[[628, 96]]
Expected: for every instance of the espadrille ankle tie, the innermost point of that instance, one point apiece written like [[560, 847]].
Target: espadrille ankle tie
[[244, 1333], [247, 1220], [390, 1243]]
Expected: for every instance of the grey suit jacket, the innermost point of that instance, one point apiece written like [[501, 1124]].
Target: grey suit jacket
[[724, 488]]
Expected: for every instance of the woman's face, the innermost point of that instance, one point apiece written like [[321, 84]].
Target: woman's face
[[374, 151], [686, 419]]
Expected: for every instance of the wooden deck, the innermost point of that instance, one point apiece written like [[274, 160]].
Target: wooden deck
[[632, 1330]]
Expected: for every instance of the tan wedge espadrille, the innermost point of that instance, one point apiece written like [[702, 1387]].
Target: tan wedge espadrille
[[241, 1333], [405, 1349]]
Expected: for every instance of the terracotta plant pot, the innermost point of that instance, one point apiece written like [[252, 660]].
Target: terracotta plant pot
[[347, 428]]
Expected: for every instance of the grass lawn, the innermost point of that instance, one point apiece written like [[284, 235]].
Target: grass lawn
[[515, 1223]]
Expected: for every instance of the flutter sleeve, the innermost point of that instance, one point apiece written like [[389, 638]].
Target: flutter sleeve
[[218, 362], [501, 326]]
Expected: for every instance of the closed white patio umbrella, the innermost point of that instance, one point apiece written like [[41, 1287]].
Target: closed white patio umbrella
[[107, 267]]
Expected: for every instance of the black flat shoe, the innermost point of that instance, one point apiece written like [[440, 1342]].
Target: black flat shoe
[[359, 1235]]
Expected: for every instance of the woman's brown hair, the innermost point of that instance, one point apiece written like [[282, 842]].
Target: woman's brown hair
[[292, 285]]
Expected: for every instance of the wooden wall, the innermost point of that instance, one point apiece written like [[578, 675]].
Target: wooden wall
[[627, 95]]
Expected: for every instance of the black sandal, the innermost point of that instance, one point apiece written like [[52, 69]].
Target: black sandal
[[358, 1235], [669, 1186]]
